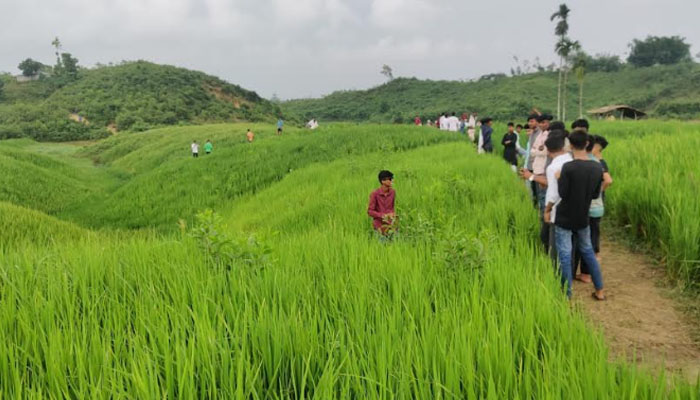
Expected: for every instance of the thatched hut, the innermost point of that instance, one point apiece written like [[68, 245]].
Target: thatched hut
[[620, 111]]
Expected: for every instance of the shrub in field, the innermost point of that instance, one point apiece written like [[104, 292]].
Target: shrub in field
[[221, 249]]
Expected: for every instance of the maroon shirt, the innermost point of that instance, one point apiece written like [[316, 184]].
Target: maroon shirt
[[380, 204]]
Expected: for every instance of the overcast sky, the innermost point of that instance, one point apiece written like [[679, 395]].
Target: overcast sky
[[308, 48]]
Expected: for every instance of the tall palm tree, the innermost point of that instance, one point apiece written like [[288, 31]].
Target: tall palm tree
[[561, 29], [568, 47]]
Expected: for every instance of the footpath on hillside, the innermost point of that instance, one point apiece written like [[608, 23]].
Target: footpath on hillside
[[639, 318]]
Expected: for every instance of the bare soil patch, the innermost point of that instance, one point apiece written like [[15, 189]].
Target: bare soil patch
[[640, 319]]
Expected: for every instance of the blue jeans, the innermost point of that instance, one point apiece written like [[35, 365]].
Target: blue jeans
[[562, 238]]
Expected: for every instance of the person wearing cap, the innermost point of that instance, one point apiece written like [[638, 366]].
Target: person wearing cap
[[381, 204]]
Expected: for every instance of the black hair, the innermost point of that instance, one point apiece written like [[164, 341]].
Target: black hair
[[532, 116], [556, 140], [580, 123], [384, 175], [557, 125], [591, 141], [600, 140], [578, 139], [518, 126], [511, 124]]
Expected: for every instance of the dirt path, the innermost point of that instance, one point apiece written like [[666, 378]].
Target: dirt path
[[639, 316]]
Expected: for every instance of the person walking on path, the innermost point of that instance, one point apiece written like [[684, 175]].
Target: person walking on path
[[485, 143], [595, 152], [381, 204], [250, 136], [195, 149], [555, 148], [510, 153], [208, 147], [280, 125], [580, 182]]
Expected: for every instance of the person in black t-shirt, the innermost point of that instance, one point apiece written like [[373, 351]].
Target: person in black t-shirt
[[580, 181]]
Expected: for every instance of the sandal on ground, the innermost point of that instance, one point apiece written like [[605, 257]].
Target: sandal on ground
[[598, 298], [580, 278]]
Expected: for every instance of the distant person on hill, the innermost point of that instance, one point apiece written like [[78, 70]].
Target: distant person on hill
[[485, 143], [417, 121], [429, 122], [381, 204], [280, 125], [195, 149], [250, 136], [510, 153], [595, 152], [580, 181], [208, 147]]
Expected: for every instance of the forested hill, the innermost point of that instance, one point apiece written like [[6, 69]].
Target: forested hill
[[662, 91], [132, 96]]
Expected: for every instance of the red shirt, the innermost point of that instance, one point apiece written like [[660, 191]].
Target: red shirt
[[380, 204], [417, 121]]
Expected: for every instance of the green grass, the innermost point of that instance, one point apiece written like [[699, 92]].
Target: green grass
[[288, 294]]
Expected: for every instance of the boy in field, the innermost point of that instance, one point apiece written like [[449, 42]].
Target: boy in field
[[195, 149], [579, 182], [250, 136], [208, 147], [381, 204]]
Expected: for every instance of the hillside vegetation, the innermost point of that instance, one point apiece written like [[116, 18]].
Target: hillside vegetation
[[662, 91], [284, 291], [132, 96]]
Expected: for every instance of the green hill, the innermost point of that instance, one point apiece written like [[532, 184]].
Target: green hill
[[662, 91], [132, 96]]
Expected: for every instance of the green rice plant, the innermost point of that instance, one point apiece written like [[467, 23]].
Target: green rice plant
[[335, 313], [655, 190]]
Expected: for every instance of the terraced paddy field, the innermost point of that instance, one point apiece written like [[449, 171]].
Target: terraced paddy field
[[129, 269]]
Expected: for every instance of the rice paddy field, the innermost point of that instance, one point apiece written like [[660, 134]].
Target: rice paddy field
[[128, 269]]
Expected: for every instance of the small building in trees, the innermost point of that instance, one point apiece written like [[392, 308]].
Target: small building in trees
[[619, 111]]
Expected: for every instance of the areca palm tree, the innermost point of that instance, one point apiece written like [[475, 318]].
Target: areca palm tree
[[561, 29], [565, 47]]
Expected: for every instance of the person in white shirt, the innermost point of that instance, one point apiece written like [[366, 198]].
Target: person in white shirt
[[453, 122], [443, 122], [195, 149], [556, 151], [471, 126]]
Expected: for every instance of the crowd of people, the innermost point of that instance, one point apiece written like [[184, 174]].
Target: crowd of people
[[563, 170]]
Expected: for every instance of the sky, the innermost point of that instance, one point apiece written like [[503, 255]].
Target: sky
[[309, 48]]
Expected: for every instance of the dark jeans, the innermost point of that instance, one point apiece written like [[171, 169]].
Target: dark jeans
[[594, 224]]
